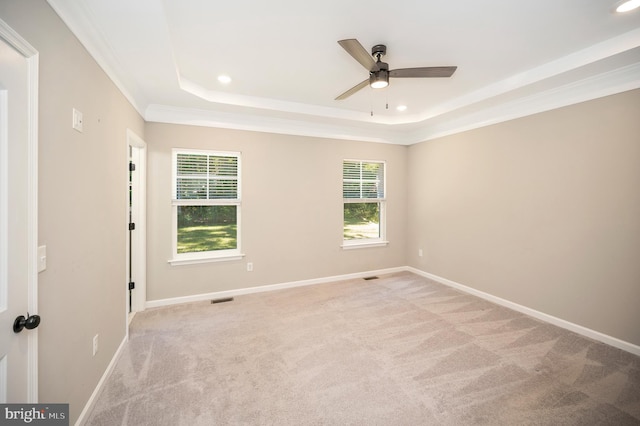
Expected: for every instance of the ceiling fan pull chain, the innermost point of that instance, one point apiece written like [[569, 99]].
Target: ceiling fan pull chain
[[371, 101]]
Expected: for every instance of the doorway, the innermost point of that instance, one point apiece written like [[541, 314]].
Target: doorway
[[136, 289]]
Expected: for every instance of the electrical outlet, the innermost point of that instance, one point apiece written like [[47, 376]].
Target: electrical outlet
[[249, 266], [95, 344], [420, 252]]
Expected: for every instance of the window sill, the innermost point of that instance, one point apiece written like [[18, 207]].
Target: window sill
[[197, 260], [362, 245]]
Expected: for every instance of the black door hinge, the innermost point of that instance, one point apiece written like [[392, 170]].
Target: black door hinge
[[132, 226], [132, 167], [132, 285]]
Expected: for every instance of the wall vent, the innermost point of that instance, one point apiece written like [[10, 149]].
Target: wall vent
[[222, 300], [370, 278]]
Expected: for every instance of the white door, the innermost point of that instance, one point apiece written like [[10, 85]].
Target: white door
[[16, 223]]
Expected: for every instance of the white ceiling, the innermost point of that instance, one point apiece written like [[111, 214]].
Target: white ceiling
[[514, 58]]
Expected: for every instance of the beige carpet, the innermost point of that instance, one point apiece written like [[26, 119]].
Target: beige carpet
[[399, 350]]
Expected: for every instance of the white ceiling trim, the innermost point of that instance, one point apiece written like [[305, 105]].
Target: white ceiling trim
[[610, 83], [94, 41], [274, 105], [256, 123], [597, 52], [616, 81]]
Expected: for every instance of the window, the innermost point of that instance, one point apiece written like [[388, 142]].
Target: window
[[206, 206], [363, 192]]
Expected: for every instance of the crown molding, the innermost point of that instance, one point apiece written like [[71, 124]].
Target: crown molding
[[592, 54], [258, 123], [77, 19], [604, 84], [216, 97], [598, 86]]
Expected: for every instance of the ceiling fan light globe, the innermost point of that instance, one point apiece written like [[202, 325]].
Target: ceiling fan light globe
[[379, 79]]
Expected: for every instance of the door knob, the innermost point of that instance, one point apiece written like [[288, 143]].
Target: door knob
[[30, 322]]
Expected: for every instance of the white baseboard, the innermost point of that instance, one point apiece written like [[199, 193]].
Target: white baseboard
[[94, 396], [584, 331], [271, 287], [587, 332]]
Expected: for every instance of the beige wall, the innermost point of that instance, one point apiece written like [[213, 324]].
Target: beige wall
[[291, 210], [543, 211], [82, 207]]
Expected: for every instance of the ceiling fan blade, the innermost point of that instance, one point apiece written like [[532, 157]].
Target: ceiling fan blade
[[359, 53], [353, 90], [423, 72]]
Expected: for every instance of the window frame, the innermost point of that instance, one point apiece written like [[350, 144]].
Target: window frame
[[212, 255], [381, 241]]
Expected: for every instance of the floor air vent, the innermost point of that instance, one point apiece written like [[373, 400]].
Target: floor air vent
[[224, 299], [370, 278]]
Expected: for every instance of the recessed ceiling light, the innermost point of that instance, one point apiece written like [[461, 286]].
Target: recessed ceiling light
[[224, 79], [401, 107], [627, 5]]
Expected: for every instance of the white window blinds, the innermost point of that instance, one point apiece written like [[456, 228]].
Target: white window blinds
[[362, 179], [206, 177]]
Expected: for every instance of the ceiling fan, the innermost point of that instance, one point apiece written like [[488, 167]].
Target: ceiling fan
[[379, 72]]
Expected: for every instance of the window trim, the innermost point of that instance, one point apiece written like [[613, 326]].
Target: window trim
[[206, 256], [381, 241]]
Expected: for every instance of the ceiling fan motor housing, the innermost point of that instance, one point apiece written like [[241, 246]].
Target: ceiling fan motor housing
[[379, 49]]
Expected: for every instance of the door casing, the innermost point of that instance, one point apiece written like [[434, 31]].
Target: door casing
[[31, 56], [138, 149]]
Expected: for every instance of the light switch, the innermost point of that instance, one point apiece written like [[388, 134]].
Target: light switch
[[77, 120], [42, 258]]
